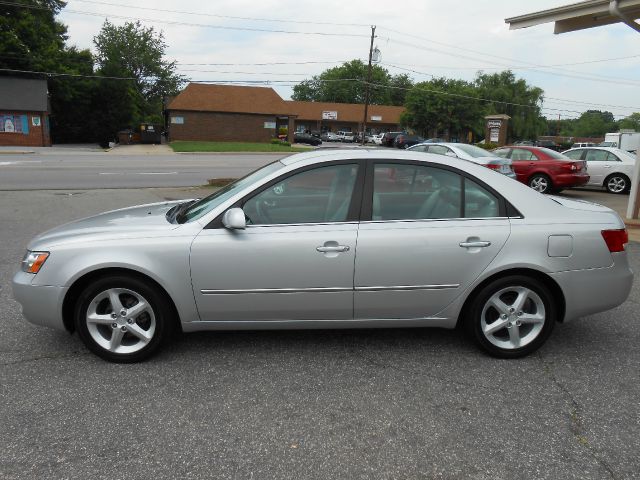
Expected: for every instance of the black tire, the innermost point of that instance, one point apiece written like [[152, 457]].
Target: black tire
[[534, 334], [617, 183], [541, 183], [160, 315]]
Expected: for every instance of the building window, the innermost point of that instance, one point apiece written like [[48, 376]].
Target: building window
[[14, 124], [177, 120]]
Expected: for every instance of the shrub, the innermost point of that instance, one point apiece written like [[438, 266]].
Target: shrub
[[487, 146]]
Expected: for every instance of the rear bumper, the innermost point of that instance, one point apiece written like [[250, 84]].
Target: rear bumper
[[596, 290], [41, 305], [570, 180]]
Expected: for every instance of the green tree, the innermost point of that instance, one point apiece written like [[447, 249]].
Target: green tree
[[137, 52], [631, 122], [513, 97], [594, 123], [399, 86], [443, 107]]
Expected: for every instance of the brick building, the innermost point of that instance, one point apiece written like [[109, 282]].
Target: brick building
[[256, 114], [227, 113], [347, 117], [24, 112]]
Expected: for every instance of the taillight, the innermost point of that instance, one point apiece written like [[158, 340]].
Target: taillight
[[493, 166], [615, 239]]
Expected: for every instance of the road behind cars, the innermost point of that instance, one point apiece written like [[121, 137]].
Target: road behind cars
[[317, 404]]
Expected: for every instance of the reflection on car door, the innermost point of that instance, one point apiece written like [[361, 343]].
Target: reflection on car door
[[523, 163], [423, 246], [598, 165], [294, 261]]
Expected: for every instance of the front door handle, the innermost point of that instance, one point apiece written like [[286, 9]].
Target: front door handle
[[476, 244], [333, 248]]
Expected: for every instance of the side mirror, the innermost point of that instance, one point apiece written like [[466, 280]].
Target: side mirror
[[234, 219]]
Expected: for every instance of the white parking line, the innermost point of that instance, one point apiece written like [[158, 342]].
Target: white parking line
[[137, 173], [18, 162]]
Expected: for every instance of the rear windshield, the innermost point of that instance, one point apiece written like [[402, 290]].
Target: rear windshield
[[553, 153], [475, 152]]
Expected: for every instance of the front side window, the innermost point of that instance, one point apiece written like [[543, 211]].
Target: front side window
[[313, 196]]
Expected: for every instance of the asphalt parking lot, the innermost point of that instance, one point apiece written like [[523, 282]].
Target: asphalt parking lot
[[419, 403]]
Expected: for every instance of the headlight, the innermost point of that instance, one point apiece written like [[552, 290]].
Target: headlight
[[33, 261]]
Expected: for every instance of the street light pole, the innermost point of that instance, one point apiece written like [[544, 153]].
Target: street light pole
[[366, 94]]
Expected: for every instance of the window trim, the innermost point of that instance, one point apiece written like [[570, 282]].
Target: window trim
[[354, 206], [366, 213]]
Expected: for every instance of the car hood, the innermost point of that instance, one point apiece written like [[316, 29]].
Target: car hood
[[132, 222]]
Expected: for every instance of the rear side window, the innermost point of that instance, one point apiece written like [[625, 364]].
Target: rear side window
[[413, 192], [574, 154], [521, 154], [502, 152], [597, 156]]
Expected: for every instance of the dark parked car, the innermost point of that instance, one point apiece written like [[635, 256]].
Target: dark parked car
[[306, 138], [389, 137], [548, 144], [543, 169], [405, 141]]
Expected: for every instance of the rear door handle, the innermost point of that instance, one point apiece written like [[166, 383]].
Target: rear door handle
[[333, 248], [477, 244]]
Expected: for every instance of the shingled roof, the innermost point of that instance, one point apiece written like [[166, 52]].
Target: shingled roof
[[230, 98], [347, 112]]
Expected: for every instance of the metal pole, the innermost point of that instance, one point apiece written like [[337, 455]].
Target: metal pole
[[366, 94], [634, 199]]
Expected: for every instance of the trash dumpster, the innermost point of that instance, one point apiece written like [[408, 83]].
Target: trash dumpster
[[151, 133]]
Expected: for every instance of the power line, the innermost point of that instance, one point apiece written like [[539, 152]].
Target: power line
[[187, 24], [231, 17], [261, 64], [57, 74]]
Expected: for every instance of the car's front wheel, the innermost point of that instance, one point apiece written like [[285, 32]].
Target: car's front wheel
[[512, 317], [123, 319], [540, 183], [617, 183]]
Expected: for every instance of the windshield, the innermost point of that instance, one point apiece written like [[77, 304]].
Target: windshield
[[475, 152], [204, 206]]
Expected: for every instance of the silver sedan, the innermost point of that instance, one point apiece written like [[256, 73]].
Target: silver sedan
[[332, 239]]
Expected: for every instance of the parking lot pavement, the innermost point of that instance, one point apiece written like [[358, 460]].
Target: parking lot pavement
[[413, 403]]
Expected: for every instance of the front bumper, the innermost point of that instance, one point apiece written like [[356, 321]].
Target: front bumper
[[41, 305], [596, 290]]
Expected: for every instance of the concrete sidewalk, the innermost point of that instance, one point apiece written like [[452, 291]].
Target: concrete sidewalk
[[141, 149]]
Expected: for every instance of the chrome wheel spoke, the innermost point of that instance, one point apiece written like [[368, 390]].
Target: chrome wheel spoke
[[528, 318], [514, 336], [114, 299], [523, 295], [137, 309], [143, 335], [98, 319], [495, 326], [116, 339], [499, 305]]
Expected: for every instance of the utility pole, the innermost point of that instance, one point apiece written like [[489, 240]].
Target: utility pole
[[366, 94]]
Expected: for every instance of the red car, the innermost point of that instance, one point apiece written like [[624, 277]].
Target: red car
[[543, 169]]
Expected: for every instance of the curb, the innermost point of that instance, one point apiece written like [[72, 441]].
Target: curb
[[284, 154], [16, 152]]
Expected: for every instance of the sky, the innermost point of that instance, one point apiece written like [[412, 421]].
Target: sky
[[422, 38]]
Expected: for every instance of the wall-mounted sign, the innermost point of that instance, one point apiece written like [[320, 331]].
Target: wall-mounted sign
[[329, 115], [177, 120], [35, 121], [494, 123], [270, 125], [376, 118], [494, 135]]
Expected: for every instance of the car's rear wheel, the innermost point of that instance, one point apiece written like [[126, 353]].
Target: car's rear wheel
[[541, 183], [123, 319], [617, 183], [512, 317]]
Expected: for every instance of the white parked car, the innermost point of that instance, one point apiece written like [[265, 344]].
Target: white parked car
[[377, 139], [346, 137], [469, 152], [608, 167]]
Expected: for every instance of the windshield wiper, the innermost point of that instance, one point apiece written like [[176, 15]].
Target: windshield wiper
[[182, 209], [178, 210]]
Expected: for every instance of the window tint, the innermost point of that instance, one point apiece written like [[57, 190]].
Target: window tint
[[479, 202], [596, 155], [419, 148], [502, 152], [408, 192], [314, 196], [520, 154], [574, 154], [612, 158]]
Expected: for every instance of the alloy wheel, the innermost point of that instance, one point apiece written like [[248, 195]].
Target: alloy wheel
[[539, 184], [616, 184], [120, 320], [513, 317]]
